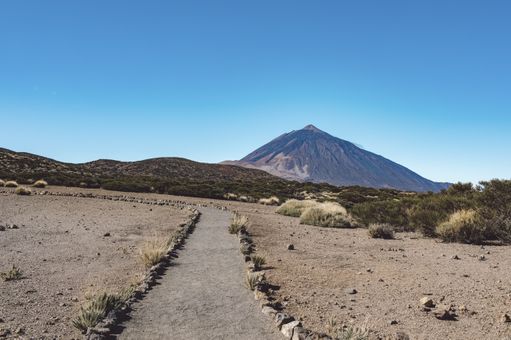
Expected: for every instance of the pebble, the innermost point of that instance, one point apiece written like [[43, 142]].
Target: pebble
[[350, 291], [427, 302], [290, 247]]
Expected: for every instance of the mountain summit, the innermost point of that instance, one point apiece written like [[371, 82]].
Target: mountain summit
[[313, 155]]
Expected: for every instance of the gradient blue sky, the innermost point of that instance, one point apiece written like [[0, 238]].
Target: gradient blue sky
[[424, 83]]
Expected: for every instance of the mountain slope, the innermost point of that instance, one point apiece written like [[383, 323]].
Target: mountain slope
[[312, 155]]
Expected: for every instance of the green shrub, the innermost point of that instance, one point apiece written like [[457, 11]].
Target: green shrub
[[462, 226], [295, 208], [331, 215], [378, 230]]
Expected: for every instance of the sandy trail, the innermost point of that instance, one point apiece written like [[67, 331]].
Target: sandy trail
[[202, 295]]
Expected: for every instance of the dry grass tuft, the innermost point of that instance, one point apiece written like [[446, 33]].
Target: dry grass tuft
[[251, 280], [258, 261], [462, 226], [327, 214], [230, 196], [153, 250], [295, 208], [346, 332], [23, 191], [274, 200], [98, 307], [11, 184], [381, 230], [40, 184], [12, 275], [238, 223]]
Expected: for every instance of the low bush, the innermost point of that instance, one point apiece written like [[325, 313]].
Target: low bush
[[13, 274], [463, 226], [295, 208], [379, 230], [98, 308], [11, 184], [153, 251], [23, 191], [330, 215], [274, 200], [238, 223], [40, 184], [258, 261]]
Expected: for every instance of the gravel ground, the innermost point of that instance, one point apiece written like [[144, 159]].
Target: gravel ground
[[61, 247], [202, 296]]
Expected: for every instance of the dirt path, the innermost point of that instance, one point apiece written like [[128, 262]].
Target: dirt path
[[202, 295]]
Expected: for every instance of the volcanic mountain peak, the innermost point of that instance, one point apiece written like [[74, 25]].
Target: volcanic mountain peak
[[313, 155]]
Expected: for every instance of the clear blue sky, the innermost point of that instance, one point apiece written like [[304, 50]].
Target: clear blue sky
[[424, 83]]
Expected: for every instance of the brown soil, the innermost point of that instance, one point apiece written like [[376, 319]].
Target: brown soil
[[390, 277], [64, 254]]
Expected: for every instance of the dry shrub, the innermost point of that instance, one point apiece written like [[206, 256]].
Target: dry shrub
[[40, 184], [274, 200], [153, 250], [251, 280], [230, 196], [295, 208], [238, 223], [331, 215], [11, 184], [14, 274], [258, 261], [23, 191], [381, 230], [462, 226]]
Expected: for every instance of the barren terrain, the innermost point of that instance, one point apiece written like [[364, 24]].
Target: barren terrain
[[68, 248], [389, 276]]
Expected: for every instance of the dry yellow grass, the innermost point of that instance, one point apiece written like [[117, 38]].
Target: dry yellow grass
[[2, 183], [11, 184], [23, 191], [327, 214], [462, 226], [238, 222], [295, 208], [274, 200], [40, 184], [153, 250]]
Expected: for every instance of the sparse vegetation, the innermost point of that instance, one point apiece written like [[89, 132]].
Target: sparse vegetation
[[274, 200], [258, 261], [346, 332], [21, 190], [40, 184], [462, 226], [295, 208], [11, 184], [98, 307], [13, 274], [381, 230], [328, 214], [238, 223], [251, 280], [153, 250]]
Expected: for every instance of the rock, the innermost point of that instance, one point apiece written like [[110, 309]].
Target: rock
[[267, 310], [290, 247], [288, 328], [482, 258], [427, 302], [444, 312], [282, 318], [505, 318], [106, 235], [455, 257], [393, 322], [350, 291], [300, 333]]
